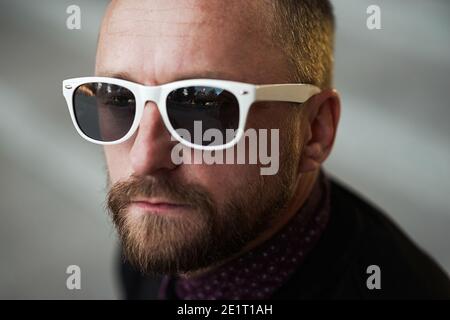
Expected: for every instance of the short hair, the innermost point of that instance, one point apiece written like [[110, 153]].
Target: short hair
[[304, 29]]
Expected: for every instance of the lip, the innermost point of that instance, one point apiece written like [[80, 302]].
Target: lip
[[158, 206]]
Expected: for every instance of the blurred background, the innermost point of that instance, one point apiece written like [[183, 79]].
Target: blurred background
[[393, 140]]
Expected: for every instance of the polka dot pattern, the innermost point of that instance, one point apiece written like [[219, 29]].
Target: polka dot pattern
[[257, 274]]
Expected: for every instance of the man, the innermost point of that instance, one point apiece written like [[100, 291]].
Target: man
[[225, 230]]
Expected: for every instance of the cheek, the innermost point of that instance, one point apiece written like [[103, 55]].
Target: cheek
[[117, 161], [224, 180]]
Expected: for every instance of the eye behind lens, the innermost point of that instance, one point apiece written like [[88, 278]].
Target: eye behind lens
[[215, 108], [104, 112]]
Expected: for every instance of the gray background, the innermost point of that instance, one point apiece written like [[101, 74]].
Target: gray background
[[393, 142]]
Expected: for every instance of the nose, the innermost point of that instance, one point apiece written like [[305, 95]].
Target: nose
[[152, 145]]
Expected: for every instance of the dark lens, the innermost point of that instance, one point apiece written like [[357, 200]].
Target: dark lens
[[104, 112], [197, 109]]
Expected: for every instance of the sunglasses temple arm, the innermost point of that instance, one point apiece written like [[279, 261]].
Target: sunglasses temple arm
[[285, 92]]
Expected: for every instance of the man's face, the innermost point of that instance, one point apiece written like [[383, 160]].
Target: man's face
[[176, 218]]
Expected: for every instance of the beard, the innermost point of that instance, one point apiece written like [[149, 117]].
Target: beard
[[205, 235]]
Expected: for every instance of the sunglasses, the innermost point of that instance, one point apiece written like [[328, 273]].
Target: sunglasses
[[108, 110]]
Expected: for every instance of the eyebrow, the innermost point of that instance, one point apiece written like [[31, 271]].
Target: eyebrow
[[123, 75]]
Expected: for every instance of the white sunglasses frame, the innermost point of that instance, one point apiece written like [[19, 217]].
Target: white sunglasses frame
[[245, 93]]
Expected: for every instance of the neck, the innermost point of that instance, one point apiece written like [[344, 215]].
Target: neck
[[302, 191]]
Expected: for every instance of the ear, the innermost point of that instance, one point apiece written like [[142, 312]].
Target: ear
[[321, 121]]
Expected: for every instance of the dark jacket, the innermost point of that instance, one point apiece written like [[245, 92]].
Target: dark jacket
[[358, 235]]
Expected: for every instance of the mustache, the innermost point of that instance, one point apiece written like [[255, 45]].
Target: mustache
[[122, 193]]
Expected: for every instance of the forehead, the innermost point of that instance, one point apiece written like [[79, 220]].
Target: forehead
[[161, 41]]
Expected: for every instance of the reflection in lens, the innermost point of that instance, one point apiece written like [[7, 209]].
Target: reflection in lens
[[214, 108], [104, 112]]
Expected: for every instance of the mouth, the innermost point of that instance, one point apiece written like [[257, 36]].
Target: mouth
[[159, 206]]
